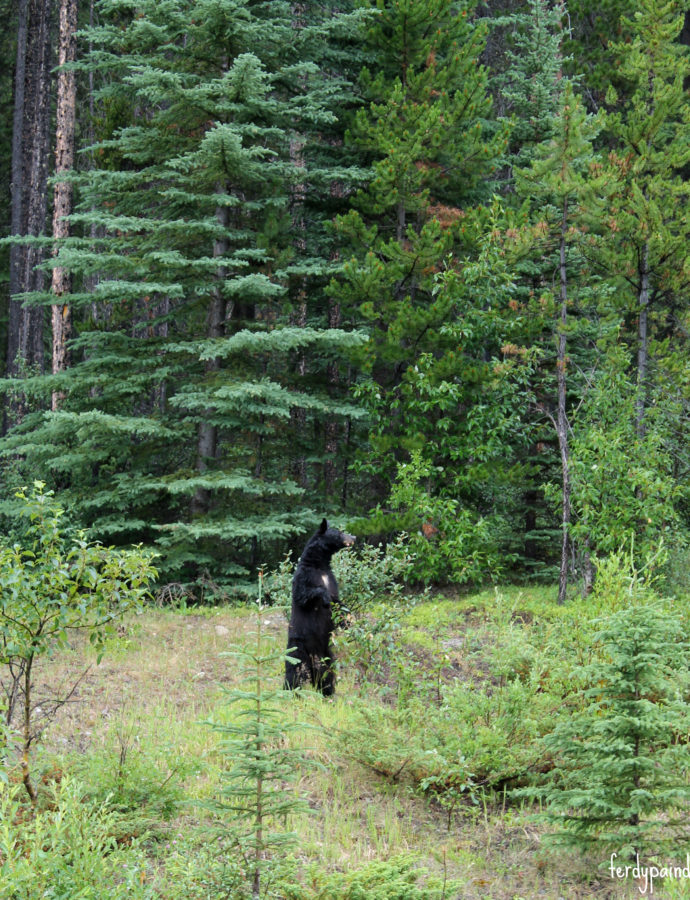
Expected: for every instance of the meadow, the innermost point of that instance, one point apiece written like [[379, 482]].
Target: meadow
[[409, 773]]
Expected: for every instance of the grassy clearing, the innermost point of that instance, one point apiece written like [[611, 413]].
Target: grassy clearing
[[475, 677]]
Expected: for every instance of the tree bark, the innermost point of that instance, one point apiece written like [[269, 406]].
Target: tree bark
[[298, 415], [30, 169], [17, 216], [62, 203], [562, 417]]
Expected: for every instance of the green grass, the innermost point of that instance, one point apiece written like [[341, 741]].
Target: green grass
[[478, 677]]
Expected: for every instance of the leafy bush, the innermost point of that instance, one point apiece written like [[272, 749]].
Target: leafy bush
[[365, 574], [623, 484], [447, 543], [67, 850], [51, 584]]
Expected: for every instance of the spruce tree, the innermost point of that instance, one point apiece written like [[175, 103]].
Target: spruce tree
[[176, 422], [618, 783], [532, 83], [258, 792]]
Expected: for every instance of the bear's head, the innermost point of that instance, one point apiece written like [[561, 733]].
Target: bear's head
[[331, 539]]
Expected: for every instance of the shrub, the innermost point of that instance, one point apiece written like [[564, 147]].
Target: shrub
[[394, 879], [52, 584], [66, 850]]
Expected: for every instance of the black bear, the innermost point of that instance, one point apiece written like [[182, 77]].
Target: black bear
[[314, 590]]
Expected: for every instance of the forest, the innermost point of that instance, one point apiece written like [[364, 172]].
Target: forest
[[419, 267]]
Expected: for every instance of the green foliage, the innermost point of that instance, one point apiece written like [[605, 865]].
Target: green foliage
[[394, 879], [183, 412], [460, 547], [143, 788], [423, 131], [620, 763], [68, 849], [532, 83], [260, 770], [51, 585], [453, 741], [624, 487]]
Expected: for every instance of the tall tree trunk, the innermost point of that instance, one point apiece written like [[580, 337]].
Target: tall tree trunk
[[64, 162], [17, 190], [207, 439], [562, 417], [31, 150], [298, 415]]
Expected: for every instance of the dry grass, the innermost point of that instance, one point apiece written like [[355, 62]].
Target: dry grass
[[164, 675]]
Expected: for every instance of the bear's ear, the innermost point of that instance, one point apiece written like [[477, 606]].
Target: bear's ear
[[323, 528]]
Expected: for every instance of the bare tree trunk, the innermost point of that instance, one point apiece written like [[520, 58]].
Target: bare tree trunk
[[64, 162], [562, 418], [27, 737], [207, 440], [30, 166], [17, 215]]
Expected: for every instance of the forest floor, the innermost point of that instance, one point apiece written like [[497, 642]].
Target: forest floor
[[136, 729]]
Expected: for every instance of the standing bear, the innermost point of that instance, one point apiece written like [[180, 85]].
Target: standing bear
[[314, 590]]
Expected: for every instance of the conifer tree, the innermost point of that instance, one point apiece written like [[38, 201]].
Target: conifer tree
[[423, 130], [618, 781], [646, 234], [559, 183], [258, 788], [531, 87], [175, 426]]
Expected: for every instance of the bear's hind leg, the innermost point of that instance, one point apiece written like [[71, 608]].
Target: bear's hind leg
[[299, 672], [324, 674]]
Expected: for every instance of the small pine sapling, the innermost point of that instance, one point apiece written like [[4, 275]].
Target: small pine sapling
[[619, 782], [258, 782]]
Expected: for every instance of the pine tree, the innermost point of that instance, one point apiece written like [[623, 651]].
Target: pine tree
[[30, 151], [618, 781], [66, 116], [532, 83], [176, 422], [646, 234], [560, 183], [424, 132], [258, 782]]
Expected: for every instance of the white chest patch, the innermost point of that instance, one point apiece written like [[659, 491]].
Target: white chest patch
[[325, 580]]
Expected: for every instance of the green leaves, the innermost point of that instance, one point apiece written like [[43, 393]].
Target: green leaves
[[51, 585]]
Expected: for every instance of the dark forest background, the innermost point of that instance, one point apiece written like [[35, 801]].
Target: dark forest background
[[419, 266]]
